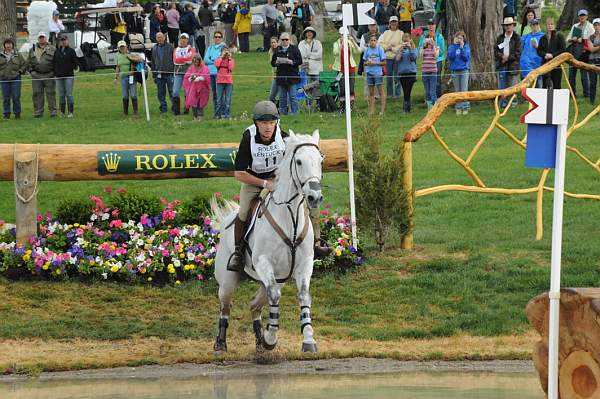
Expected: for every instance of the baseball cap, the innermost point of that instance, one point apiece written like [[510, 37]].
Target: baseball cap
[[41, 34], [393, 18], [535, 21], [596, 21], [121, 44], [430, 21], [62, 37], [55, 12], [581, 12]]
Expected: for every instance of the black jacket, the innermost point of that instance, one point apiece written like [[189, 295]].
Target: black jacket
[[554, 45], [514, 54], [135, 24], [227, 14], [188, 23], [206, 16], [65, 62], [287, 74]]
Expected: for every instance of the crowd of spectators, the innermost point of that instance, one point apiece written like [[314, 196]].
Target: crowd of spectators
[[193, 55]]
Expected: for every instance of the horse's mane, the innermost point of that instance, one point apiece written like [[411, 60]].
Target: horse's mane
[[291, 142]]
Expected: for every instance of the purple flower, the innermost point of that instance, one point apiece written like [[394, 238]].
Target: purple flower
[[352, 249], [359, 260]]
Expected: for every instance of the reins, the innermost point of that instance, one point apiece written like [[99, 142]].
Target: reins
[[296, 239]]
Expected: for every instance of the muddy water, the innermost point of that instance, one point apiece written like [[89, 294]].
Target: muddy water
[[408, 385]]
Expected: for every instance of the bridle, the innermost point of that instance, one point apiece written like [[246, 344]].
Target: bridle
[[296, 239]]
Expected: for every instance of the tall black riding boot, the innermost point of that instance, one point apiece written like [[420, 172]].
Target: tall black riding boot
[[321, 249], [134, 103], [176, 106], [126, 106], [236, 260]]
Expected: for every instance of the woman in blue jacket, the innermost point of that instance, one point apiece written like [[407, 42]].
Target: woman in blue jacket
[[530, 59], [212, 53], [459, 55]]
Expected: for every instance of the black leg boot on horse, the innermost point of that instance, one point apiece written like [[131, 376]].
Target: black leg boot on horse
[[321, 249], [221, 342], [237, 260]]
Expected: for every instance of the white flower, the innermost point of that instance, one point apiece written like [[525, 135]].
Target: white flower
[[139, 243], [73, 260], [93, 218], [105, 275], [190, 256], [105, 216], [139, 226], [141, 257], [131, 223], [176, 262]]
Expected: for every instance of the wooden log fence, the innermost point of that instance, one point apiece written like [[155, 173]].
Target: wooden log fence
[[29, 164]]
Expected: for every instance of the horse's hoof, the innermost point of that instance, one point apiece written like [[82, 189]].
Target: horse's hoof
[[310, 348], [266, 346], [220, 346]]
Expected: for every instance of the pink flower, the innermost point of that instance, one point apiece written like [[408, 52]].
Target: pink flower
[[79, 231], [207, 221], [325, 212], [165, 253], [107, 189], [236, 198], [39, 217], [121, 190], [98, 203], [144, 220], [48, 216], [217, 195], [168, 214], [116, 224], [39, 262], [115, 212], [200, 277]]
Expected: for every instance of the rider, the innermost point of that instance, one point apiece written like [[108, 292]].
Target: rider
[[260, 153]]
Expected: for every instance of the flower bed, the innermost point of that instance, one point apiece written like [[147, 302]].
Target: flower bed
[[152, 249]]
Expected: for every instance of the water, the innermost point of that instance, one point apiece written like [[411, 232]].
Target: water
[[413, 385]]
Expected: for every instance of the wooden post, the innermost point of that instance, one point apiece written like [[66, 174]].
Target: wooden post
[[26, 181], [407, 185]]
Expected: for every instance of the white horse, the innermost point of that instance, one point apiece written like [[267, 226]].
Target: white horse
[[279, 247]]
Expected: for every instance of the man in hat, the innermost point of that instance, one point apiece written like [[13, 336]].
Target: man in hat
[[41, 66], [65, 63], [507, 53], [55, 26], [579, 33]]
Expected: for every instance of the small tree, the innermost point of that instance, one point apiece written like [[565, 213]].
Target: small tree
[[382, 204]]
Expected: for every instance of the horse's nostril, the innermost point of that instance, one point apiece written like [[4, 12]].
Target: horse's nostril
[[321, 198], [311, 198]]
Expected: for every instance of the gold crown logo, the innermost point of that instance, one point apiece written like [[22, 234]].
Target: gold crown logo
[[111, 161], [232, 155]]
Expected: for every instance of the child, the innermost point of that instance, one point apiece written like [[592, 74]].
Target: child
[[374, 58], [459, 56], [196, 83], [225, 65], [429, 53], [406, 57]]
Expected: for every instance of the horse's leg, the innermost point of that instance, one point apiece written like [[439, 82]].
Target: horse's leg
[[308, 342], [226, 291], [264, 269], [258, 302]]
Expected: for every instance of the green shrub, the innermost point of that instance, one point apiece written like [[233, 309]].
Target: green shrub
[[189, 212], [74, 210], [381, 202], [133, 205]]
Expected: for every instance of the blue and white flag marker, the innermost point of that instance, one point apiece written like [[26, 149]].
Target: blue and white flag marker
[[546, 148], [352, 14]]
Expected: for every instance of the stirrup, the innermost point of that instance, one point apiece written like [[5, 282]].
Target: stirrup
[[236, 266]]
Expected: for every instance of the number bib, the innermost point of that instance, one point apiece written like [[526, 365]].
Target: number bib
[[266, 158]]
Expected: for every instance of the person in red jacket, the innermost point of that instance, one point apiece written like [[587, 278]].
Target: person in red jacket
[[182, 58], [225, 65]]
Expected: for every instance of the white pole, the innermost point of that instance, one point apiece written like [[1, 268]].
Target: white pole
[[554, 294], [145, 93], [345, 47]]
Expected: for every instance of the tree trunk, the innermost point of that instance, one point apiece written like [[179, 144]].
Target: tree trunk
[[569, 14], [480, 19], [8, 19], [579, 341]]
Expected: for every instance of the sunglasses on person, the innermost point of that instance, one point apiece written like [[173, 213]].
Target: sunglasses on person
[[218, 37], [285, 40]]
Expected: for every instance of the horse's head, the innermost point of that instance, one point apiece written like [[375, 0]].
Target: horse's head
[[305, 160]]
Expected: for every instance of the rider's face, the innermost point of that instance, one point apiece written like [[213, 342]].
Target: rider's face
[[266, 129]]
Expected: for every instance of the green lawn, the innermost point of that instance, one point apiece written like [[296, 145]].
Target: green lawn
[[476, 265]]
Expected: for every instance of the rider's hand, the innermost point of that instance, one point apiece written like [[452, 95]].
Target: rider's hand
[[269, 185]]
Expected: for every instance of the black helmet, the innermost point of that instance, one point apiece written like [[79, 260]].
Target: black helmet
[[265, 111]]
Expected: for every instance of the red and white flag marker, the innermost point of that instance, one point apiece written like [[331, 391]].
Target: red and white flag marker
[[546, 148], [353, 14]]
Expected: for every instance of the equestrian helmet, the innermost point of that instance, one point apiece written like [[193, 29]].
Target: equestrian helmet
[[265, 111]]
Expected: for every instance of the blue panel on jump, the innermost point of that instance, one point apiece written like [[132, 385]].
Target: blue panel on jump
[[541, 146]]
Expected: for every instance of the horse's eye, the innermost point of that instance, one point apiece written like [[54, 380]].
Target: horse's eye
[[298, 162]]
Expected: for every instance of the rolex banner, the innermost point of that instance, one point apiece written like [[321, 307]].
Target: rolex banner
[[164, 161]]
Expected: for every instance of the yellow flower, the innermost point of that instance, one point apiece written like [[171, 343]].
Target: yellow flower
[[186, 267], [171, 268], [26, 257], [91, 262], [70, 226], [143, 270], [46, 266], [146, 246], [338, 252], [76, 224], [149, 279], [180, 249], [210, 262], [148, 240], [57, 271], [182, 256], [177, 282], [114, 269]]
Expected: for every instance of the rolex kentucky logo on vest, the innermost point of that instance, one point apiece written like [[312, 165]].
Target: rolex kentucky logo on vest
[[266, 158]]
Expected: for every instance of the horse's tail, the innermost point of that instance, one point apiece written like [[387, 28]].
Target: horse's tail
[[220, 208]]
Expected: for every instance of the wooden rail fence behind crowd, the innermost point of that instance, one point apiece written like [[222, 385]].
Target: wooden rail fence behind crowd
[[28, 164]]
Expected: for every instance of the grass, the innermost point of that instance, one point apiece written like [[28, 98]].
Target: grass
[[475, 266]]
